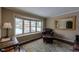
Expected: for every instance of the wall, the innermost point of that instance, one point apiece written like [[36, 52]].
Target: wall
[[69, 35], [8, 16], [0, 22]]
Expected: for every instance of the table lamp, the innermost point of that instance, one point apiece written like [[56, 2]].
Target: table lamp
[[7, 26]]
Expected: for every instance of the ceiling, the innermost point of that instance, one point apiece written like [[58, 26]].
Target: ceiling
[[48, 11]]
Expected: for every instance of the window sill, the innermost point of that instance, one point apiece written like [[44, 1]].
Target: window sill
[[27, 34]]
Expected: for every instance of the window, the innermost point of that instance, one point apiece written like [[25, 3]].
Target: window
[[39, 25], [19, 26], [33, 26], [26, 26], [23, 26]]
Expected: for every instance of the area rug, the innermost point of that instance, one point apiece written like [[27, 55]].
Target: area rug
[[40, 46]]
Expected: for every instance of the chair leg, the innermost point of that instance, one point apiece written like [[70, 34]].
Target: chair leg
[[48, 40], [17, 48]]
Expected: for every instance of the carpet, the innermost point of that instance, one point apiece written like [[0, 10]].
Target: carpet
[[40, 46]]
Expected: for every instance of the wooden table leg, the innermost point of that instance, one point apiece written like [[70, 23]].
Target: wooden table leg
[[17, 48]]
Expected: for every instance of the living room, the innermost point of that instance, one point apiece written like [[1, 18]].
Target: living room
[[27, 24]]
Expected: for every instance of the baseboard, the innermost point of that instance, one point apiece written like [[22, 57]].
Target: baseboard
[[65, 41]]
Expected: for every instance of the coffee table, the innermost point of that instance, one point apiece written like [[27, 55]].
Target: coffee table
[[11, 43]]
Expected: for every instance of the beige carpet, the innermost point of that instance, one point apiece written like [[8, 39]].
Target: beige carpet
[[40, 46]]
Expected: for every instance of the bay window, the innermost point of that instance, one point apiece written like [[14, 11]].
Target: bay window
[[33, 26], [19, 26], [24, 26], [39, 26]]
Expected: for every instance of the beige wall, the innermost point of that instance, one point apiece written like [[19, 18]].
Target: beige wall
[[70, 35], [8, 16], [0, 22]]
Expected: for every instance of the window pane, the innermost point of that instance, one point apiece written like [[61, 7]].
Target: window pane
[[18, 24], [39, 25], [26, 26], [33, 26]]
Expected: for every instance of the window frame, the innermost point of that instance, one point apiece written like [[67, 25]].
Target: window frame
[[15, 26], [29, 25], [33, 26], [40, 26]]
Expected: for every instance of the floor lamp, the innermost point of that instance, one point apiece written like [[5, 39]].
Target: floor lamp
[[7, 26]]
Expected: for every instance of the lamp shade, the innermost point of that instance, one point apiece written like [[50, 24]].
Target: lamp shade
[[7, 25]]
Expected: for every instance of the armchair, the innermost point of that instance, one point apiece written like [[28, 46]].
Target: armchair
[[47, 35], [76, 44]]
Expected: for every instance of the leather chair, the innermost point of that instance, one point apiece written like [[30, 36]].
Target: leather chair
[[76, 44], [47, 35]]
